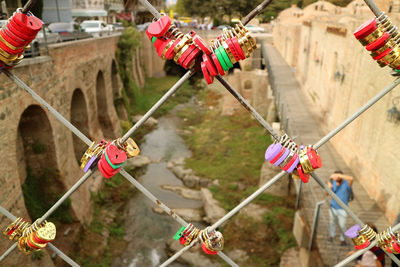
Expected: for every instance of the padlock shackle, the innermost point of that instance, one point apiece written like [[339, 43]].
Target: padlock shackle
[[28, 6]]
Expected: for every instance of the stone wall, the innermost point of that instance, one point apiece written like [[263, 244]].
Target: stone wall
[[339, 76], [80, 80]]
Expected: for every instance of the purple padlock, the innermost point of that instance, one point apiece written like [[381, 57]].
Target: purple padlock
[[89, 164], [352, 232], [283, 157], [294, 165], [272, 151]]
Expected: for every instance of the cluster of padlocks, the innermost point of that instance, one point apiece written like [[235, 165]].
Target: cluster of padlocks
[[381, 37], [211, 241], [388, 240], [230, 47], [109, 157], [31, 237], [286, 155], [15, 36]]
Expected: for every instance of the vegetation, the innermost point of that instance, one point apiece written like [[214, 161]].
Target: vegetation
[[231, 149], [102, 240], [127, 45], [41, 191], [240, 8]]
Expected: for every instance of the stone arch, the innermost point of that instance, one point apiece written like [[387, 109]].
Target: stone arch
[[80, 119], [102, 107], [40, 180]]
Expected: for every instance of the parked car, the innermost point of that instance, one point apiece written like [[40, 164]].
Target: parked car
[[143, 27], [118, 26], [41, 39], [254, 28], [221, 27], [96, 27], [68, 31]]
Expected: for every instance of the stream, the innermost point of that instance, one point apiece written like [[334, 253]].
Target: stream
[[146, 231]]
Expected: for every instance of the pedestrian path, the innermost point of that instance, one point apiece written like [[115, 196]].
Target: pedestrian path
[[306, 127]]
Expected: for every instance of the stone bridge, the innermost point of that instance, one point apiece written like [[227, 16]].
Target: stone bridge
[[81, 81]]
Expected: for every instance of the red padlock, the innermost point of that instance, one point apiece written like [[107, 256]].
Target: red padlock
[[233, 49], [170, 51], [185, 54], [365, 29], [159, 27], [210, 66], [207, 251], [314, 158], [161, 48], [202, 44], [303, 176], [29, 25], [190, 60], [378, 43], [217, 64], [209, 79]]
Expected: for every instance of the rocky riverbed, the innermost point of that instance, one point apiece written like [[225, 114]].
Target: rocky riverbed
[[148, 229]]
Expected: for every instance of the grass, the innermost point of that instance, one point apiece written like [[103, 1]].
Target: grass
[[109, 202], [227, 148], [231, 149], [155, 88]]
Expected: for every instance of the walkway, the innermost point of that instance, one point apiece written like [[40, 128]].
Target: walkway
[[306, 127]]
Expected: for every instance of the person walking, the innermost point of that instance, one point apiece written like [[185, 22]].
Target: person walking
[[340, 184]]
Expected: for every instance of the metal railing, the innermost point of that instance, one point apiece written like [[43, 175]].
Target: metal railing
[[235, 210]]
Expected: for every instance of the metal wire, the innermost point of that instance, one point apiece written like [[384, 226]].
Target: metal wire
[[361, 251], [247, 106], [8, 252], [376, 11], [374, 8], [47, 106], [164, 98], [49, 245], [357, 113]]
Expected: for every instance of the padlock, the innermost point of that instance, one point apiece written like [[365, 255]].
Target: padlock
[[202, 44], [210, 65], [361, 237], [38, 239], [129, 146], [92, 155], [211, 241], [112, 159], [160, 27], [217, 64], [206, 74], [16, 35]]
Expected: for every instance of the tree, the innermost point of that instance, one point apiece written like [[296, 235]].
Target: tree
[[276, 7]]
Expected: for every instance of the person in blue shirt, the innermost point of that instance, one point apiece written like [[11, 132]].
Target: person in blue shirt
[[340, 184]]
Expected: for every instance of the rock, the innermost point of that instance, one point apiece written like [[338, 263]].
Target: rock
[[281, 187], [151, 122], [254, 211], [183, 191], [204, 182], [212, 208], [180, 172], [190, 215], [191, 180], [290, 258], [138, 162], [193, 257], [238, 255], [215, 182], [178, 161]]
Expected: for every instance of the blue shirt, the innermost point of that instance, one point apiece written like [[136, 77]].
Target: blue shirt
[[342, 191]]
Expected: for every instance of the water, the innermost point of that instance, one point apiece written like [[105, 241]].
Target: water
[[146, 231]]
